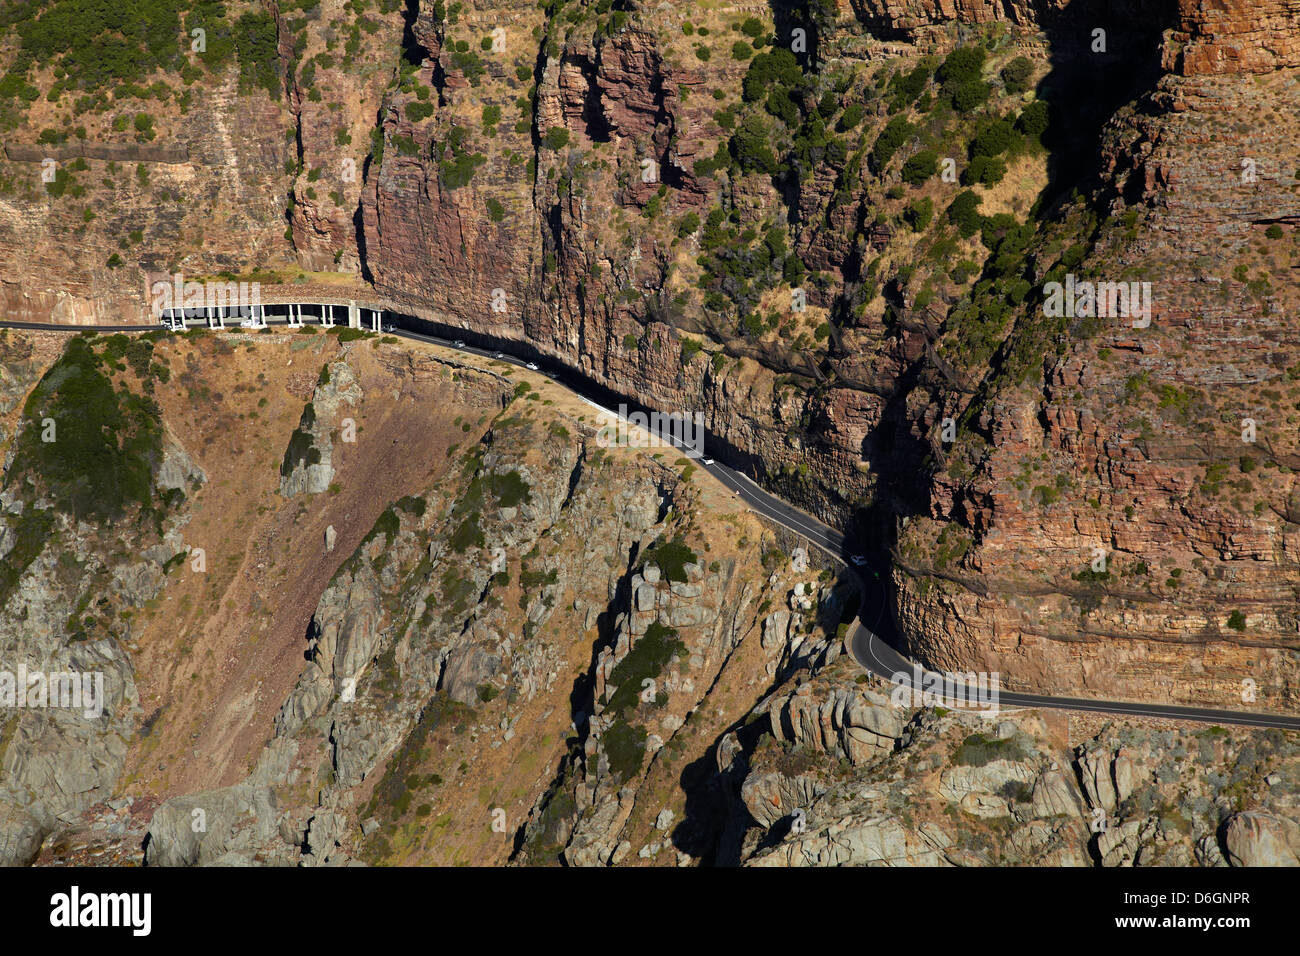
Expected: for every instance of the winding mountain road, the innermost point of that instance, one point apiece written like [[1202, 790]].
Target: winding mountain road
[[867, 648]]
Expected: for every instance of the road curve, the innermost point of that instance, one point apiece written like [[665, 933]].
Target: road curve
[[867, 648]]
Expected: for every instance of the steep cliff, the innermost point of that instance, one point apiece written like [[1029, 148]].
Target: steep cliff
[[748, 212]]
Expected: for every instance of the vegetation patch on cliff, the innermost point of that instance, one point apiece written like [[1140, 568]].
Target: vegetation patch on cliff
[[89, 444]]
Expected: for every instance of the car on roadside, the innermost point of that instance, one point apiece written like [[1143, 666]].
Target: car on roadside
[[499, 355], [388, 327], [249, 323], [459, 343], [706, 461], [858, 559], [531, 366]]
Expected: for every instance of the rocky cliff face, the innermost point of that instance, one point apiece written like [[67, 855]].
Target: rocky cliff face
[[840, 775], [546, 626], [605, 185], [498, 641], [68, 688]]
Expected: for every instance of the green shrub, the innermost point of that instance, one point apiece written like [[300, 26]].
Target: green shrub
[[994, 139], [468, 63], [851, 117], [671, 557], [776, 69], [467, 535], [30, 531], [510, 489], [978, 750], [456, 164], [969, 97], [919, 213], [920, 167], [1034, 119], [750, 147], [1015, 75], [624, 746], [984, 171], [557, 137], [906, 87], [344, 333], [654, 651], [962, 65], [780, 105], [964, 213], [417, 111], [256, 40], [897, 131]]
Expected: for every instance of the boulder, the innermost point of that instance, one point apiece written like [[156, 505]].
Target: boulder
[[1259, 838]]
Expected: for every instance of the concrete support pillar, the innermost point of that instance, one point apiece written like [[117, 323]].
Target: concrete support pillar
[[354, 315]]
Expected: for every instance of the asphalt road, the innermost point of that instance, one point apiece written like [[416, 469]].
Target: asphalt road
[[867, 648]]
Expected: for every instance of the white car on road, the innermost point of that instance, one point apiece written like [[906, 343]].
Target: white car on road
[[532, 367]]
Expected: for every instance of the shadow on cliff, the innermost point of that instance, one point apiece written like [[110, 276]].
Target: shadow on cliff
[[1102, 55], [1086, 84]]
